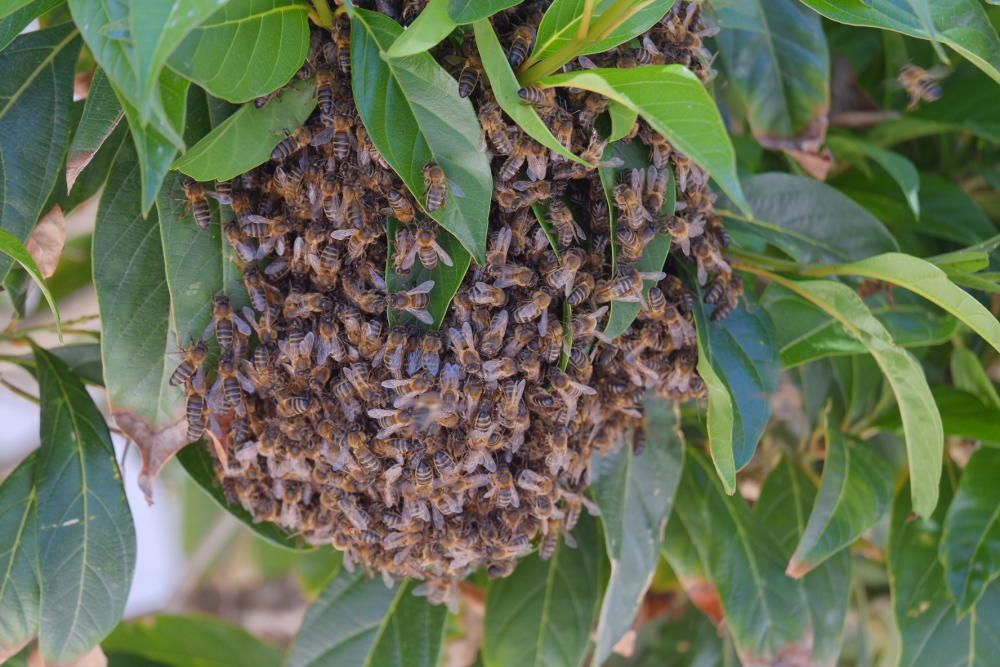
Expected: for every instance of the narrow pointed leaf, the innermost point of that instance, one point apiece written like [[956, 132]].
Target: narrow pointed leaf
[[86, 552], [622, 121], [783, 507], [101, 115], [19, 586], [674, 103], [470, 11], [855, 490], [245, 139], [968, 374], [898, 167], [543, 612], [961, 24], [504, 85], [561, 23], [11, 247], [411, 109], [245, 49], [16, 15], [635, 494], [36, 93], [970, 543], [921, 420], [358, 622], [811, 221]]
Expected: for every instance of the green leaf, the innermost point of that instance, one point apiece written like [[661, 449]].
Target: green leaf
[[635, 494], [720, 419], [807, 333], [194, 640], [970, 542], [14, 22], [111, 31], [921, 420], [358, 622], [962, 415], [855, 490], [925, 616], [898, 167], [86, 550], [19, 586], [101, 115], [783, 506], [470, 11], [92, 178], [764, 609], [923, 278], [11, 247], [432, 25], [11, 6], [622, 121], [246, 139], [949, 213], [504, 85], [82, 359], [968, 374], [623, 313], [245, 49], [542, 613], [155, 150], [688, 641], [36, 93], [810, 221], [778, 66], [961, 24], [447, 279], [674, 103], [411, 109], [562, 21], [134, 302], [199, 465]]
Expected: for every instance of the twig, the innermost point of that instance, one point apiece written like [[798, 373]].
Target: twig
[[324, 17], [588, 12], [856, 119]]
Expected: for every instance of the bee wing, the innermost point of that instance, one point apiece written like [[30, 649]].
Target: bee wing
[[322, 137], [442, 255], [393, 384], [241, 325], [423, 288], [341, 234], [306, 346], [254, 218], [422, 315], [379, 413], [247, 385]]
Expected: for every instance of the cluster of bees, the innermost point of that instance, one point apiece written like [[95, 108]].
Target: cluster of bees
[[429, 453]]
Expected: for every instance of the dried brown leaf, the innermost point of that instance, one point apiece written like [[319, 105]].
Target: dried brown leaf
[[46, 241], [157, 446], [806, 147]]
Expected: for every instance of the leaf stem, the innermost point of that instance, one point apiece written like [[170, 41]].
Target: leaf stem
[[324, 17], [588, 12]]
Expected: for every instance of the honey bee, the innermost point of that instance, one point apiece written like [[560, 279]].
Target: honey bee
[[553, 342], [324, 93], [468, 79], [535, 307], [562, 274], [580, 365], [298, 305], [430, 352], [343, 126], [593, 106], [231, 383], [342, 39], [414, 301], [226, 323], [425, 246], [629, 202], [708, 258], [538, 161], [493, 338], [194, 192], [566, 228], [463, 345], [515, 159], [920, 84], [491, 119], [260, 369], [194, 357], [344, 393], [437, 188], [400, 206], [502, 487], [261, 102], [584, 325], [521, 43], [541, 98], [626, 285], [656, 187], [296, 141], [682, 230], [195, 407]]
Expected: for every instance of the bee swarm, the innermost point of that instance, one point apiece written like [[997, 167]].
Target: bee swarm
[[429, 453]]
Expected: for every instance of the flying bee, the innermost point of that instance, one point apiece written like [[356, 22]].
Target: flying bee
[[437, 188], [921, 84], [521, 43], [194, 192], [582, 288], [400, 206], [343, 127], [414, 301], [563, 273], [468, 79], [425, 247], [194, 357], [491, 119], [565, 226], [226, 323]]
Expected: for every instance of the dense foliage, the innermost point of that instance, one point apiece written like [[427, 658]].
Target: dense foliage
[[840, 448]]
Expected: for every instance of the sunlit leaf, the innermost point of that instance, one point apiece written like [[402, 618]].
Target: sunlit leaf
[[245, 139], [432, 25], [542, 614], [358, 622], [86, 540], [635, 493], [674, 103], [470, 11], [11, 247], [245, 49], [36, 92], [411, 109]]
